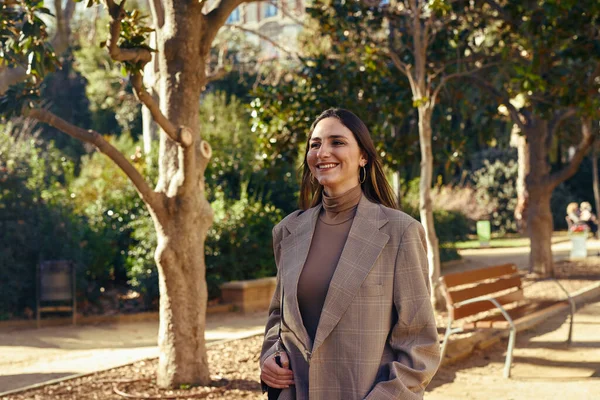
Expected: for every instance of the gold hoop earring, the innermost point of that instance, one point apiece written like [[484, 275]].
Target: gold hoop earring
[[364, 178]]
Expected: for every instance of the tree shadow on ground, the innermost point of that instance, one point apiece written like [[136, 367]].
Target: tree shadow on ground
[[12, 382], [497, 352], [245, 384]]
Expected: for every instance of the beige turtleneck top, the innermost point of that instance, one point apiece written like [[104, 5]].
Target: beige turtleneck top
[[329, 238]]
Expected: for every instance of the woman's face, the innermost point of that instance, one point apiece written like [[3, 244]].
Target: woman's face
[[334, 157]]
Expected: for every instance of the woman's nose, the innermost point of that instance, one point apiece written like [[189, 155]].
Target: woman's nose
[[323, 152]]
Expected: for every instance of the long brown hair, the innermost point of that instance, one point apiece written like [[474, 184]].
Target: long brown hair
[[375, 186]]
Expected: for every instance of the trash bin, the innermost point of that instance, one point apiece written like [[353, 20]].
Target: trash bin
[[484, 233], [579, 245]]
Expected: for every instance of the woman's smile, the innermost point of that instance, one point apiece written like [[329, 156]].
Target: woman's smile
[[326, 167]]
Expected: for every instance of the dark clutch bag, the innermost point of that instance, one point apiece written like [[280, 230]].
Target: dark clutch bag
[[272, 393]]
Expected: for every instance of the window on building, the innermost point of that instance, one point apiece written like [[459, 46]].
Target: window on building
[[270, 11], [251, 12], [234, 16]]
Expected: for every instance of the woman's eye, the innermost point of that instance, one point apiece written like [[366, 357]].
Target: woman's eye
[[338, 143], [314, 145]]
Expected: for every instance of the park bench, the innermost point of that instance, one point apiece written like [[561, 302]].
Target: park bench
[[493, 298]]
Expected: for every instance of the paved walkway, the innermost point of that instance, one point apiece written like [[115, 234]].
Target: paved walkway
[[33, 356], [479, 258], [544, 367]]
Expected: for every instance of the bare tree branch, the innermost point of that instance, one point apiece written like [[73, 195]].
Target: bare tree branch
[[137, 55], [502, 98], [288, 14], [89, 136], [216, 18], [158, 12], [268, 39], [558, 118], [404, 68], [398, 63], [455, 75], [215, 75], [181, 135], [587, 139]]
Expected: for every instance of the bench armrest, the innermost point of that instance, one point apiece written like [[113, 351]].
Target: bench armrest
[[491, 300]]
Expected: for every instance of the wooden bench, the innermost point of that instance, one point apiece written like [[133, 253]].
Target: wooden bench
[[498, 292]]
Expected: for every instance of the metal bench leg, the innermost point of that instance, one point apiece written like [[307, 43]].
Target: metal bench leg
[[572, 311], [509, 351], [444, 344]]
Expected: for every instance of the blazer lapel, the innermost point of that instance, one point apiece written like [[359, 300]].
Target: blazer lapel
[[294, 251], [363, 246]]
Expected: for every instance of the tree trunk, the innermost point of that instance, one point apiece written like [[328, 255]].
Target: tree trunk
[[183, 292], [540, 184], [596, 183], [520, 142], [181, 233], [539, 188], [540, 229], [426, 205]]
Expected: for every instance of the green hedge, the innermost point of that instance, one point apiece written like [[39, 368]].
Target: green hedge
[[36, 218], [450, 227]]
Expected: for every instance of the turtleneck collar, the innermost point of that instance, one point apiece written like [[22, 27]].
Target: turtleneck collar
[[339, 209]]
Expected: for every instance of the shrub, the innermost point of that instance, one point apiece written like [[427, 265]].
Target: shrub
[[239, 244], [104, 195], [495, 186], [37, 221], [450, 226]]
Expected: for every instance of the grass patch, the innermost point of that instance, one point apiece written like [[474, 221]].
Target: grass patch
[[507, 241], [495, 243]]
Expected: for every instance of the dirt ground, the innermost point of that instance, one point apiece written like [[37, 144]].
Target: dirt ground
[[544, 368]]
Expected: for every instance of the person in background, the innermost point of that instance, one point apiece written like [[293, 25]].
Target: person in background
[[572, 215], [351, 317], [586, 216]]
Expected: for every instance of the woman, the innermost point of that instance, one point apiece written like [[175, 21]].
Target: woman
[[587, 217], [352, 275], [573, 215]]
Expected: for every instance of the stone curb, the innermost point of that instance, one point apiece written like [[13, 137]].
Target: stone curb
[[462, 348], [70, 377]]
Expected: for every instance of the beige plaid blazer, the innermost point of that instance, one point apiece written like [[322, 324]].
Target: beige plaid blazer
[[377, 337]]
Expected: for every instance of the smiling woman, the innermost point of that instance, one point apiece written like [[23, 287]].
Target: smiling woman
[[351, 316]]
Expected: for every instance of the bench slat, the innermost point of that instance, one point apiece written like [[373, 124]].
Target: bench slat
[[475, 308], [484, 288], [518, 314], [463, 278]]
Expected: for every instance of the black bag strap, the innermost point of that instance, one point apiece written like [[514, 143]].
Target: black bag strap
[[280, 313]]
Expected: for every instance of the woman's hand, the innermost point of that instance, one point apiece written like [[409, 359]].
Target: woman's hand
[[275, 376]]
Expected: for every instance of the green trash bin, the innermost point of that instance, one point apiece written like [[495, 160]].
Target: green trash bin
[[484, 233]]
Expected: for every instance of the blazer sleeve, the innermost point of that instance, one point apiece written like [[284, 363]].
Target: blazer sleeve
[[414, 338], [272, 328]]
